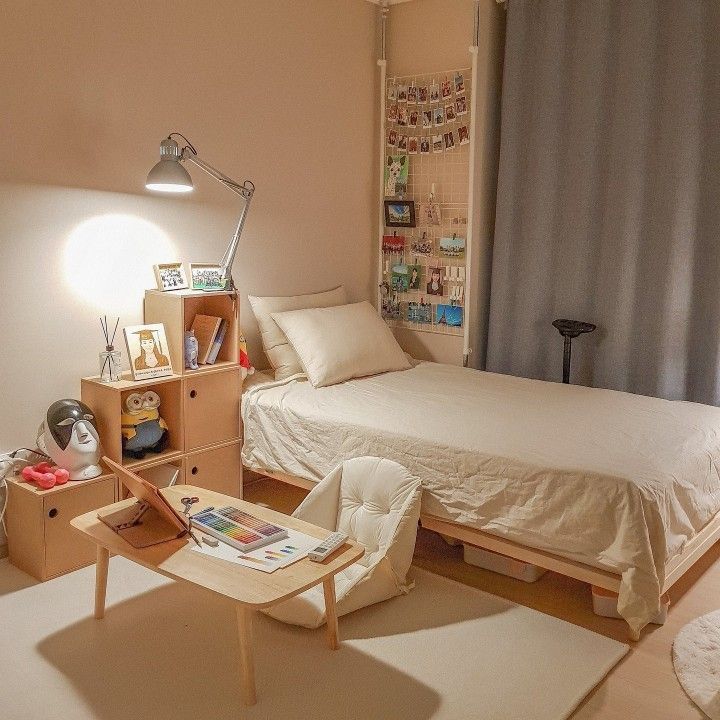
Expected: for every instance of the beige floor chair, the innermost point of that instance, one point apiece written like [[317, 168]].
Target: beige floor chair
[[377, 503]]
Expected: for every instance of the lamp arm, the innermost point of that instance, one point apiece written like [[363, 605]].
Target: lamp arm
[[245, 189]]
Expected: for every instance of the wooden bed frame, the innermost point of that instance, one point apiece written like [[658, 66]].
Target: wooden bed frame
[[675, 569]]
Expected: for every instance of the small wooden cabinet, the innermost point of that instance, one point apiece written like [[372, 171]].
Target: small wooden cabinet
[[217, 469], [40, 539]]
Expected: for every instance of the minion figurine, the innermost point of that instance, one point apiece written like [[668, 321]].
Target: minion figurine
[[142, 427]]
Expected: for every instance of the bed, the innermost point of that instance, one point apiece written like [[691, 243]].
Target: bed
[[618, 490]]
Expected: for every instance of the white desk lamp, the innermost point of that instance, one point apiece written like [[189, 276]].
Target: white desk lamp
[[168, 175]]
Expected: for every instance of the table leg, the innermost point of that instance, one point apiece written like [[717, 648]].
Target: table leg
[[247, 667], [331, 613], [101, 574]]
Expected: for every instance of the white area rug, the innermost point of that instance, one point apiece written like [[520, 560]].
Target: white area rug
[[696, 658], [168, 651]]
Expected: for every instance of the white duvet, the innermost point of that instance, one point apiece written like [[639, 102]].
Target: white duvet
[[611, 479]]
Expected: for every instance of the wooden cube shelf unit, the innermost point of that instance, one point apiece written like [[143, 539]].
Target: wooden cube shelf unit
[[201, 407]]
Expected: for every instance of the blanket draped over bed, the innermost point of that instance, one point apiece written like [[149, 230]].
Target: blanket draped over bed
[[610, 479]]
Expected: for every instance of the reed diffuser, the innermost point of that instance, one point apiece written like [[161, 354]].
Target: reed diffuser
[[110, 358]]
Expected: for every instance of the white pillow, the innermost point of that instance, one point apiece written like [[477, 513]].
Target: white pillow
[[282, 357], [339, 343]]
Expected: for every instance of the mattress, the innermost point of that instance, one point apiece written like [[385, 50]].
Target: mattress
[[614, 480]]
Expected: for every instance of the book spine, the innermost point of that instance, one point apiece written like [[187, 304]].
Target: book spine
[[217, 343]]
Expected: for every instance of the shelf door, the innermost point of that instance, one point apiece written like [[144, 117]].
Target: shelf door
[[217, 469], [212, 408]]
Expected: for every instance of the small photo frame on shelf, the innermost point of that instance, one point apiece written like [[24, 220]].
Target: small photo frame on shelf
[[422, 94], [412, 146], [402, 93], [434, 93], [439, 116], [393, 244], [206, 276], [450, 115], [434, 284], [450, 315], [170, 276], [461, 105], [147, 351], [452, 247], [446, 89], [427, 118], [424, 145], [437, 143], [463, 135], [396, 175], [399, 213], [412, 95], [459, 83], [430, 213]]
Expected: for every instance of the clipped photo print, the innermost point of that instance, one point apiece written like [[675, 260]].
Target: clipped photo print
[[450, 115], [449, 139], [392, 92], [402, 93], [422, 94], [437, 143], [459, 83], [413, 118], [424, 146], [392, 138], [434, 93], [439, 116], [463, 135], [461, 105], [392, 114], [446, 89], [412, 95], [412, 146], [402, 142], [427, 118]]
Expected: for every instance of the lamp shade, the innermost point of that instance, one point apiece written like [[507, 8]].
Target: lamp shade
[[168, 175]]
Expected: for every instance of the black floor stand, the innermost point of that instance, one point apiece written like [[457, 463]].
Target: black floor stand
[[570, 329]]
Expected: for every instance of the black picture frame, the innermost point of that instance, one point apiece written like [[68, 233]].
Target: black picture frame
[[391, 219]]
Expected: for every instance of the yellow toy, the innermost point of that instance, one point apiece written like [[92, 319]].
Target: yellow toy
[[142, 427]]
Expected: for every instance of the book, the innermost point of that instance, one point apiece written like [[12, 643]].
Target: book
[[217, 342], [205, 328]]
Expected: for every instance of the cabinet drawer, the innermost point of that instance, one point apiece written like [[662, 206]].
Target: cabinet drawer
[[217, 469], [65, 548], [212, 408]]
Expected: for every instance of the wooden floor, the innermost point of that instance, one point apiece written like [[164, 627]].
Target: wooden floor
[[643, 686]]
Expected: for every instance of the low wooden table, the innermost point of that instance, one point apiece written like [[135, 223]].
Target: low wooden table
[[250, 589]]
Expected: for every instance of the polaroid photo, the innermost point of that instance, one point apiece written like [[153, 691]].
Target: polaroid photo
[[421, 246], [422, 94], [427, 118], [392, 92], [461, 105], [413, 118], [459, 83], [412, 146], [392, 139], [463, 135], [412, 95], [424, 146], [439, 116], [434, 93], [450, 115], [446, 89], [402, 116], [402, 143], [402, 93], [434, 283], [449, 139], [450, 315], [437, 143], [392, 114]]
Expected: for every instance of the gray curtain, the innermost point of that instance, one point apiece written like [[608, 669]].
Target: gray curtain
[[608, 204]]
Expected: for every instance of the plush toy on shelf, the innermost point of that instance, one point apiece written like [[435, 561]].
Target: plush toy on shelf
[[142, 427], [45, 475]]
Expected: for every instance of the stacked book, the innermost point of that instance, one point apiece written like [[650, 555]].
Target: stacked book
[[210, 333]]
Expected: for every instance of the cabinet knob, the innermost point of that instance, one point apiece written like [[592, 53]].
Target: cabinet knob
[[52, 512], [194, 470], [193, 393]]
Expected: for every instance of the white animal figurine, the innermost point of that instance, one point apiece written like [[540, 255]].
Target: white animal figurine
[[191, 350], [395, 167]]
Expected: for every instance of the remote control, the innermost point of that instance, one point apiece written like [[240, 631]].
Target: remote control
[[329, 545]]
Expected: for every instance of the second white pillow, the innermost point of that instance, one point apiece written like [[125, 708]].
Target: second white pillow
[[338, 343]]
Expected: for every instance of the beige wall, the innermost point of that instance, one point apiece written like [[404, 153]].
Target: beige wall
[[279, 92], [435, 35]]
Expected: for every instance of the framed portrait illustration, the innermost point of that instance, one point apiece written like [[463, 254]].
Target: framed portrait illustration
[[148, 351]]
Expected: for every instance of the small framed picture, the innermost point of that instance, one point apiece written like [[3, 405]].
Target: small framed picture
[[205, 276], [392, 138], [446, 89], [170, 276], [439, 116], [427, 118], [463, 135], [402, 118], [412, 95], [422, 94], [413, 118], [434, 283], [396, 175], [437, 143], [402, 143], [392, 92], [449, 139], [453, 247], [450, 315], [434, 93], [148, 351], [402, 93], [450, 115], [412, 146], [392, 113], [459, 83], [461, 105], [399, 213]]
